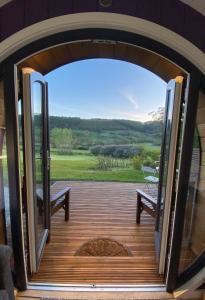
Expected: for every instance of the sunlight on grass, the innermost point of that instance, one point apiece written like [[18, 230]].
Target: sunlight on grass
[[81, 166]]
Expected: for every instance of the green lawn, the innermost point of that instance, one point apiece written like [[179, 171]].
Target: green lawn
[[149, 146], [82, 166]]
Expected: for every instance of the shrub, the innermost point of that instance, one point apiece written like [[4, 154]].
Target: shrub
[[149, 162], [95, 150], [107, 162], [62, 139], [116, 151], [137, 162], [146, 158]]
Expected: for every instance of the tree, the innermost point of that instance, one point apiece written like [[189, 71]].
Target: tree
[[62, 139], [158, 115]]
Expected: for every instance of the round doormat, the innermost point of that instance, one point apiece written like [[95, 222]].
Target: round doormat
[[103, 247]]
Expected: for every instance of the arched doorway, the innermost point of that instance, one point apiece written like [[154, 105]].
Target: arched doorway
[[141, 41], [101, 193]]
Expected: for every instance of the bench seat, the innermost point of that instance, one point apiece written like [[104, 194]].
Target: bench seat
[[147, 203]]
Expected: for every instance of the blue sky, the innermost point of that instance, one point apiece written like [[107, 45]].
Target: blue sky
[[104, 88]]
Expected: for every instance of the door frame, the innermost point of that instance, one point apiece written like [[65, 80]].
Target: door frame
[[191, 96], [15, 185], [176, 86], [9, 71], [30, 76]]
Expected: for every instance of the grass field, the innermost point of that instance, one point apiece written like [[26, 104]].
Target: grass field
[[81, 165]]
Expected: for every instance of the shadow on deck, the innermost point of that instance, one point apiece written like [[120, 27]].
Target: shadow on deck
[[100, 210]]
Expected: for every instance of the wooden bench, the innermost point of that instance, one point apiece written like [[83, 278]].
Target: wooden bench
[[59, 198], [147, 203]]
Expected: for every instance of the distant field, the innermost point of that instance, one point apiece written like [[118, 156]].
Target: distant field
[[81, 165], [68, 133], [148, 146], [89, 132]]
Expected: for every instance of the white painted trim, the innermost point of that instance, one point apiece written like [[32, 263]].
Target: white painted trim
[[4, 2], [174, 86], [29, 167], [19, 171], [107, 21]]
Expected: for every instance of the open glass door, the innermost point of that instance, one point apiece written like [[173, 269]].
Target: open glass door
[[168, 168], [36, 155], [191, 265]]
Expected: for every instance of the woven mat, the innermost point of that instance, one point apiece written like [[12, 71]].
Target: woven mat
[[103, 247]]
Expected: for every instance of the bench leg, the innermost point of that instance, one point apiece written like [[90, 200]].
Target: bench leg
[[67, 204], [139, 208]]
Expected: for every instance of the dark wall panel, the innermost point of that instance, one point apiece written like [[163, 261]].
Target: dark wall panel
[[84, 6], [127, 7], [149, 9], [61, 7], [12, 18], [194, 27], [36, 11], [172, 14]]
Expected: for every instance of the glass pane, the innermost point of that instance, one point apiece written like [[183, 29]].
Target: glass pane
[[38, 148], [2, 207], [194, 227], [5, 222], [165, 152], [22, 176]]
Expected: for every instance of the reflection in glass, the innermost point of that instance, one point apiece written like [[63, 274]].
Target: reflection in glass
[[5, 222], [193, 242], [2, 207], [165, 153], [38, 156], [23, 188]]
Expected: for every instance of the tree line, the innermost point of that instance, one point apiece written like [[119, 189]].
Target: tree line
[[104, 124]]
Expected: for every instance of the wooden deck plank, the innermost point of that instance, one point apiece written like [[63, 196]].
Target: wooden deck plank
[[100, 210]]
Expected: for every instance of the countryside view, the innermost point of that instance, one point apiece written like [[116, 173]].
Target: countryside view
[[105, 121]]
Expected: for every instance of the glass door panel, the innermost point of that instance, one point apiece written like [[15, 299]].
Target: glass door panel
[[186, 272], [168, 170], [193, 240], [5, 222], [164, 158], [38, 157], [36, 150]]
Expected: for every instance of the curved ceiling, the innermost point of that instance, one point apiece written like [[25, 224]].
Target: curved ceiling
[[48, 60]]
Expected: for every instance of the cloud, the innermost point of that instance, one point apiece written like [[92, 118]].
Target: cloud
[[98, 110], [139, 116], [119, 114], [131, 98]]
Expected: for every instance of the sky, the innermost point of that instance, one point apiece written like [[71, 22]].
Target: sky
[[104, 88]]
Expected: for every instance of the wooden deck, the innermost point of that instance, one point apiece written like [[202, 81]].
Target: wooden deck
[[106, 210]]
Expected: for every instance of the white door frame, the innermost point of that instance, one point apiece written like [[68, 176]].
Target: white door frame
[[29, 167], [174, 85]]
